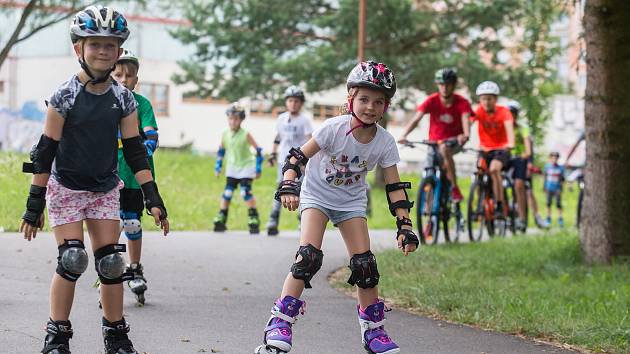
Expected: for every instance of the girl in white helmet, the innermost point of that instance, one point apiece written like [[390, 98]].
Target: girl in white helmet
[[82, 186]]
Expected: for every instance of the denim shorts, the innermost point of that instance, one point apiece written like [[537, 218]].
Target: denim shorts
[[335, 216]]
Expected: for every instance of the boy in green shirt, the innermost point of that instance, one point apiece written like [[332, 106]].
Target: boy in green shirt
[[242, 168], [131, 202]]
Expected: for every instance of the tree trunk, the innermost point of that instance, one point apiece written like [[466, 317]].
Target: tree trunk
[[4, 53], [605, 227]]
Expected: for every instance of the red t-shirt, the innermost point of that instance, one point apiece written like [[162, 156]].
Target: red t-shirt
[[491, 127], [445, 122]]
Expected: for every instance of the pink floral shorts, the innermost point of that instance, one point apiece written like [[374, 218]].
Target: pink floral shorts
[[66, 206]]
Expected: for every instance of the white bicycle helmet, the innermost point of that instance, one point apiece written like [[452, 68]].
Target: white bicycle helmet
[[488, 88]]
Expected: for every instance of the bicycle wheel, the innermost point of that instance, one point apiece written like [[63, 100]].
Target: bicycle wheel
[[428, 225], [453, 222], [476, 216]]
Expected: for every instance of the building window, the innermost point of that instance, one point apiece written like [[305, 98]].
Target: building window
[[323, 111], [158, 95], [192, 98]]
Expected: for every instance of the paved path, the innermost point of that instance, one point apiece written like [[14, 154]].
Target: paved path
[[211, 293]]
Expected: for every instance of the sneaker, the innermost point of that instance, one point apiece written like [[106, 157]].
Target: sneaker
[[375, 339], [456, 194], [519, 225], [561, 222], [548, 221], [540, 222]]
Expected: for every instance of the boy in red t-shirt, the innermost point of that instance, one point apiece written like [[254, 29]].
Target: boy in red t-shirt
[[449, 113], [496, 136]]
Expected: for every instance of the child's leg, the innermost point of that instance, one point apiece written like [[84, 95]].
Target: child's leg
[[62, 289], [131, 208], [355, 236], [104, 233], [220, 220], [313, 228], [371, 311]]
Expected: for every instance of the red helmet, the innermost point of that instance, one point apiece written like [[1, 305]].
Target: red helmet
[[373, 75]]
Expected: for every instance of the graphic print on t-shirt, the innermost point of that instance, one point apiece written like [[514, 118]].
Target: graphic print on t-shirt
[[339, 172]]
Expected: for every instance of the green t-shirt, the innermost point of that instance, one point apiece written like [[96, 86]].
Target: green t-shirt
[[146, 118], [239, 158], [520, 135]]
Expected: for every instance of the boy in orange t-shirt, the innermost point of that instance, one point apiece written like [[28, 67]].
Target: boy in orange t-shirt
[[496, 136]]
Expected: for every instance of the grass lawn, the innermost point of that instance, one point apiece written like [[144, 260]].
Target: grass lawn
[[535, 286]]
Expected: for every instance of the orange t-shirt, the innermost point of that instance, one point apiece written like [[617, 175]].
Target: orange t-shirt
[[491, 127]]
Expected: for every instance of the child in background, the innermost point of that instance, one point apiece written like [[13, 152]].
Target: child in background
[[242, 168], [293, 129], [554, 179], [126, 73]]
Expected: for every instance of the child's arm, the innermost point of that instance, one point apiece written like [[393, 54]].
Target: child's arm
[[259, 156], [41, 163], [399, 205], [136, 156], [509, 129], [151, 141], [219, 164], [273, 157], [289, 191]]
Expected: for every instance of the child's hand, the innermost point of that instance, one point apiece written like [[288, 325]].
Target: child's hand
[[290, 201], [407, 241], [257, 175], [162, 223], [30, 231]]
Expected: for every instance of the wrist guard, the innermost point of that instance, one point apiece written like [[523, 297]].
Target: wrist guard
[[152, 198], [409, 236], [287, 187], [302, 160], [35, 204]]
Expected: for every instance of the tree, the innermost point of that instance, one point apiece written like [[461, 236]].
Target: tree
[[255, 48], [36, 15], [604, 233]]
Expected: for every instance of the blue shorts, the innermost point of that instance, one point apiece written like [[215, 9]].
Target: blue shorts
[[335, 216]]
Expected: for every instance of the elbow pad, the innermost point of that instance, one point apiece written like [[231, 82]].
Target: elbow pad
[[42, 156], [135, 154], [151, 141]]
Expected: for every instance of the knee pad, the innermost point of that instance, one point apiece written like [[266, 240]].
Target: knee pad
[[110, 264], [246, 192], [130, 222], [72, 260], [364, 271], [308, 260], [227, 193]]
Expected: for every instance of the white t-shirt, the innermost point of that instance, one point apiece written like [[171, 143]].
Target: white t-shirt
[[293, 132], [335, 176]]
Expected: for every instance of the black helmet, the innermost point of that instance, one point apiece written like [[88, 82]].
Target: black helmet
[[99, 22], [372, 75], [446, 76], [294, 91], [237, 109]]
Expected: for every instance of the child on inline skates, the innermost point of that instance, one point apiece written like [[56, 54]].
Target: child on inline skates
[[126, 73], [336, 161], [293, 129], [242, 168], [80, 137]]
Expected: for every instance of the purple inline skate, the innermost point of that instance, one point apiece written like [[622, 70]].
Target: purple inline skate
[[375, 339], [278, 333]]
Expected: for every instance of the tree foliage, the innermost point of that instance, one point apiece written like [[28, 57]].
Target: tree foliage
[[34, 16], [256, 48]]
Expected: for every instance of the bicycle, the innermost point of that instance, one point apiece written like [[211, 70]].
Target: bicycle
[[481, 204], [434, 205], [577, 175]]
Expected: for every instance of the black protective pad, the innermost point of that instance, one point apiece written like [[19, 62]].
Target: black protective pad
[[42, 156], [310, 263], [401, 204], [364, 270], [135, 154]]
